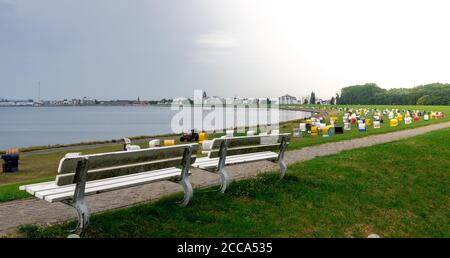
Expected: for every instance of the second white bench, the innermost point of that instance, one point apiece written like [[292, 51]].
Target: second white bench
[[236, 150]]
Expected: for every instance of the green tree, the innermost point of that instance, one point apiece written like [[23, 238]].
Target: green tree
[[370, 93], [424, 100], [360, 94], [312, 99], [332, 101]]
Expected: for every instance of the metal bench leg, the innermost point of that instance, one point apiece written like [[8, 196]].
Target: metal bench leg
[[280, 159], [184, 181], [77, 201], [83, 217], [283, 167], [188, 192], [224, 179]]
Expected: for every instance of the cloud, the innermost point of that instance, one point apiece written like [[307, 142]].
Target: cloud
[[213, 48], [217, 40]]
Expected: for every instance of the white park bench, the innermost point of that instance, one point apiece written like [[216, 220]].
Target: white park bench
[[81, 175], [243, 149], [129, 146]]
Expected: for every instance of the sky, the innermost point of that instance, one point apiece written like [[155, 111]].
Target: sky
[[122, 49]]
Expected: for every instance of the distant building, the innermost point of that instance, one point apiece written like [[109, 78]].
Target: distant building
[[301, 100], [165, 101], [263, 101], [250, 101], [275, 101], [233, 100], [213, 101], [87, 101], [229, 101], [5, 102], [323, 101], [119, 102], [288, 99], [180, 101]]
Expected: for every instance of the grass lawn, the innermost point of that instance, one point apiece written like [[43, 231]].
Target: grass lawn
[[10, 192], [398, 189], [43, 167]]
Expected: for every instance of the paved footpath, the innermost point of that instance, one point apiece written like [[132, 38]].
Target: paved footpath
[[35, 211]]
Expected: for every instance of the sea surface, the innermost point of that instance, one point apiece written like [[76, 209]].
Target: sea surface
[[35, 126]]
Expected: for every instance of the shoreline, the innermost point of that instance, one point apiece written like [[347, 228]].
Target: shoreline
[[89, 105], [95, 144]]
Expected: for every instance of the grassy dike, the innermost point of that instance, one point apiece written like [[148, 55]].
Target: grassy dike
[[42, 167], [397, 189]]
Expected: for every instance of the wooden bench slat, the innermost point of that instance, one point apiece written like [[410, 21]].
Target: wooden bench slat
[[57, 197], [68, 195], [243, 140], [24, 187], [247, 140], [212, 163], [52, 185], [104, 182], [246, 149], [251, 158], [107, 172], [118, 158], [120, 163], [49, 185], [208, 160]]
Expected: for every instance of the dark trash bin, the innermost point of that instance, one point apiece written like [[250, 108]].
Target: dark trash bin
[[338, 130], [10, 162], [308, 128]]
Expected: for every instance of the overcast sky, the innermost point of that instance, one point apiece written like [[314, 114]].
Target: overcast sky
[[111, 49]]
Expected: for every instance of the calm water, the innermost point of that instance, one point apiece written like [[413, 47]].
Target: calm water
[[31, 126]]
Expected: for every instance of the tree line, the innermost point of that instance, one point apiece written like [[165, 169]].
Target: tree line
[[371, 94]]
